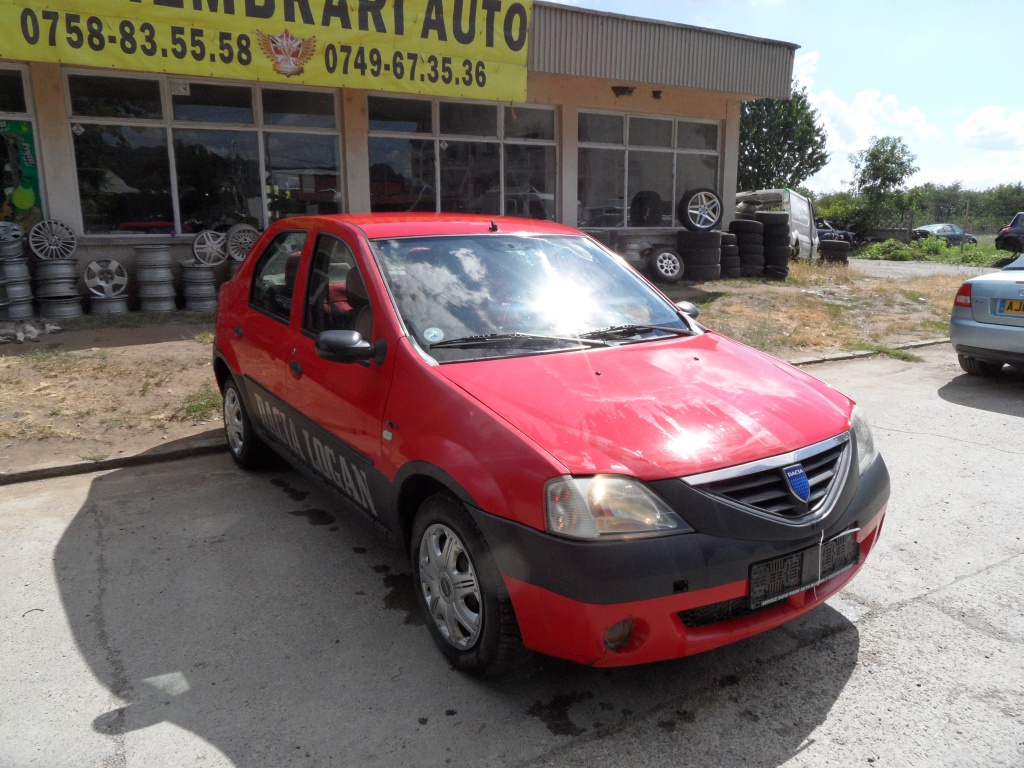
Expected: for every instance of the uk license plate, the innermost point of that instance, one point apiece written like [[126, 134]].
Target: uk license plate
[[781, 577], [1010, 307]]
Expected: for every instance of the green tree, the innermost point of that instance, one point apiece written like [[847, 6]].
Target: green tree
[[883, 168], [781, 142]]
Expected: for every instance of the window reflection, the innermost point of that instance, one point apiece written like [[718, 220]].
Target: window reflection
[[218, 178], [214, 104], [601, 182], [470, 177], [303, 174], [12, 92], [124, 179], [126, 97], [298, 108], [530, 174], [402, 175]]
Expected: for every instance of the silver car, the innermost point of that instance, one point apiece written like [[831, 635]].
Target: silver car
[[987, 325]]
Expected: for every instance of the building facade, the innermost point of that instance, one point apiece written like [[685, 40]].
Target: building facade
[[143, 133]]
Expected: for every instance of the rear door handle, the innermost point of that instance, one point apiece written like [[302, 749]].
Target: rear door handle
[[295, 368]]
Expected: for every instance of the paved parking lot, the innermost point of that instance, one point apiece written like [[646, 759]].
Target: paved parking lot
[[187, 613]]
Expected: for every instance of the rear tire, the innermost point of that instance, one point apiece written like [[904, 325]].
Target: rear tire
[[464, 601], [247, 449], [977, 367]]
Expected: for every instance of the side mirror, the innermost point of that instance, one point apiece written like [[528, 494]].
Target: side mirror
[[349, 347], [689, 308]]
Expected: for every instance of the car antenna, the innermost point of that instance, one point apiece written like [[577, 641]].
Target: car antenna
[[494, 226]]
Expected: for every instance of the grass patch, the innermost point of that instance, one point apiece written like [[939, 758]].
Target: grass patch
[[198, 406], [882, 349], [204, 338]]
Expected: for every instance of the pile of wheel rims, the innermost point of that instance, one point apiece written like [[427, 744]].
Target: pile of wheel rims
[[56, 272], [15, 278]]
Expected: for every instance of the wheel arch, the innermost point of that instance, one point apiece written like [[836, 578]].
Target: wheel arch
[[416, 482]]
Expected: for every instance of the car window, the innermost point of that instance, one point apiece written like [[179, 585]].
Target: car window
[[335, 292], [273, 281], [463, 287]]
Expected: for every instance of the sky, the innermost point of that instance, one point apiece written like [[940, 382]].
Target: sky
[[940, 75]]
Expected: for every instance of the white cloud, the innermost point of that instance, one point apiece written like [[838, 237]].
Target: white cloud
[[851, 124], [992, 128]]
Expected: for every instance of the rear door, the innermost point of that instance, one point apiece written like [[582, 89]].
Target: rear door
[[266, 327]]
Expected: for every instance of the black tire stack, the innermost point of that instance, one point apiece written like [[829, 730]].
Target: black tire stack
[[834, 251], [750, 246], [730, 255], [701, 253], [777, 246]]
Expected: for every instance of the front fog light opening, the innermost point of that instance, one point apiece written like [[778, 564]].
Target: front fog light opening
[[616, 638]]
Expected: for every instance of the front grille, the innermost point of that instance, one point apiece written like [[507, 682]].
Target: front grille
[[764, 485], [716, 612]]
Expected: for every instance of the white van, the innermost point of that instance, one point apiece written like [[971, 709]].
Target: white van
[[802, 231]]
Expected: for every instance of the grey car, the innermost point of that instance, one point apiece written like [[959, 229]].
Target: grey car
[[987, 324]]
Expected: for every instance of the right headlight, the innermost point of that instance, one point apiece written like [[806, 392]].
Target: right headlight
[[866, 449], [607, 506]]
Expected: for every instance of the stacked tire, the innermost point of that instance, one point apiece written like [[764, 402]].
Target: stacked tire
[[778, 247], [750, 246], [154, 278], [730, 256], [701, 253], [834, 251], [14, 275]]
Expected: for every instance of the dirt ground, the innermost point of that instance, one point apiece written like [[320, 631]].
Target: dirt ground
[[100, 392], [103, 388]]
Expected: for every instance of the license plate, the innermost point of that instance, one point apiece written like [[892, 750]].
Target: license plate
[[1010, 307], [788, 575]]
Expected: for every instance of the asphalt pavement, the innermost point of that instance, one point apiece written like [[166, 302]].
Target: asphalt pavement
[[187, 613]]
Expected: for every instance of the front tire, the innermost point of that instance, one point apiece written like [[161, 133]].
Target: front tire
[[247, 449], [463, 598]]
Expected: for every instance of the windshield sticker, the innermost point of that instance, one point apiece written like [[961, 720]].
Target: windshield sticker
[[433, 335]]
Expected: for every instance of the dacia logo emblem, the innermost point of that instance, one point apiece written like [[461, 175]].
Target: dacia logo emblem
[[798, 483]]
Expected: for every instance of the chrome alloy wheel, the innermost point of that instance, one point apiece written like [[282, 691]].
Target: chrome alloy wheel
[[451, 589], [234, 427], [704, 210]]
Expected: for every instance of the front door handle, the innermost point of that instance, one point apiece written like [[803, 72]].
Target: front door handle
[[238, 331], [296, 369]]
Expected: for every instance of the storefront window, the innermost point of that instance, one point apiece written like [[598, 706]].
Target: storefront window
[[304, 174], [458, 119], [198, 163], [661, 159], [123, 179], [399, 115], [511, 168], [213, 103], [402, 174], [218, 178], [530, 173], [471, 177], [20, 200], [602, 187], [12, 91], [298, 109], [122, 97]]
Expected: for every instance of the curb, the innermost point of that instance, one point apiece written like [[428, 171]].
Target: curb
[[216, 445], [195, 448]]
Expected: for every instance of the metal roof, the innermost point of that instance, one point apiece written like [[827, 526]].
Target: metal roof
[[572, 41]]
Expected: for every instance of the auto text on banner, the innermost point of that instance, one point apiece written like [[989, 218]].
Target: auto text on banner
[[463, 48]]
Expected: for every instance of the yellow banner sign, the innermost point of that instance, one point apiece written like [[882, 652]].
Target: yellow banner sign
[[468, 48]]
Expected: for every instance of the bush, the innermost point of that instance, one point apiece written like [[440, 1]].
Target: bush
[[889, 250]]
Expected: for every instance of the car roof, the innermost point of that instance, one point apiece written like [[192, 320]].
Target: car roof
[[387, 225]]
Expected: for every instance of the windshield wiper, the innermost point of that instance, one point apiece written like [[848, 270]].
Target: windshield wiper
[[515, 340], [616, 331]]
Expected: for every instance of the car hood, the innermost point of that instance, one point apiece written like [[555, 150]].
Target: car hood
[[657, 409]]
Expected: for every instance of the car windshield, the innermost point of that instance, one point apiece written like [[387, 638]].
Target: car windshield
[[466, 297]]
